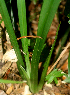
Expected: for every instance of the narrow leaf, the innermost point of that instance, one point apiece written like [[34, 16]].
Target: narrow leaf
[[67, 80], [10, 81], [25, 75], [47, 62], [23, 31], [8, 24]]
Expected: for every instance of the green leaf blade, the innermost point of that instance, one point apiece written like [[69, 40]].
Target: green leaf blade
[[47, 62], [50, 79], [10, 81], [67, 80], [55, 80], [8, 24], [23, 31]]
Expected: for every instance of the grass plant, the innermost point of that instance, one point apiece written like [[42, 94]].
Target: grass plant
[[30, 73]]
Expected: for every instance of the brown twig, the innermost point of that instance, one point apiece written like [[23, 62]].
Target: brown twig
[[59, 58], [29, 37]]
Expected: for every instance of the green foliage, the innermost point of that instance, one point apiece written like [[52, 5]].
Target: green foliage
[[23, 30], [8, 24], [46, 64], [53, 76], [46, 17], [67, 80], [67, 13], [63, 41], [30, 73], [9, 81], [68, 76]]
